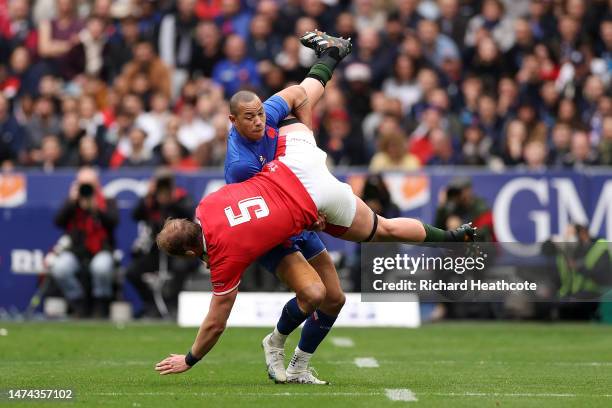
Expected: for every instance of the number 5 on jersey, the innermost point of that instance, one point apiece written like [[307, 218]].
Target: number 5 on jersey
[[261, 211]]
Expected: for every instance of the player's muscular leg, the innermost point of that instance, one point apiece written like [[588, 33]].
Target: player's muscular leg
[[295, 271], [388, 229], [334, 297]]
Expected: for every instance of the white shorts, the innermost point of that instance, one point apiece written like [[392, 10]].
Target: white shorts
[[298, 150]]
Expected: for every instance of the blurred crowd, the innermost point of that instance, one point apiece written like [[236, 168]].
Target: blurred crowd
[[128, 83]]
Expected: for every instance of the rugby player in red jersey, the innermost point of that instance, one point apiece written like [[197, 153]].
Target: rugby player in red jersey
[[242, 221]]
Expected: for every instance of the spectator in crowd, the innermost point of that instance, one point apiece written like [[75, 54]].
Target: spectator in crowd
[[488, 63], [136, 154], [393, 154], [367, 15], [605, 146], [436, 47], [604, 49], [443, 152], [12, 134], [477, 146], [22, 78], [148, 63], [451, 22], [474, 70], [403, 85], [89, 153], [561, 142], [370, 52], [263, 43], [56, 37], [89, 220], [535, 155], [163, 199], [44, 121], [176, 157], [320, 13], [408, 14], [70, 137], [176, 36], [208, 49], [514, 139], [524, 44], [87, 55], [233, 19], [194, 131], [491, 22], [580, 153], [236, 71], [342, 140], [121, 45], [50, 153], [16, 29], [488, 120], [541, 19]]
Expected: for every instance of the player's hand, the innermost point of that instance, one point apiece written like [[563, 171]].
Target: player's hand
[[320, 223], [174, 364]]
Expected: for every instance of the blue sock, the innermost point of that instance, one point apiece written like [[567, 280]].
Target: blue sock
[[291, 317], [315, 329]]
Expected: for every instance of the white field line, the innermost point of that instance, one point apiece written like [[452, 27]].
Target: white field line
[[239, 394], [400, 394], [518, 394], [366, 362], [342, 342], [119, 363]]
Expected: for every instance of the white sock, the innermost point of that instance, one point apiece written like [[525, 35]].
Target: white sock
[[277, 339], [300, 360]]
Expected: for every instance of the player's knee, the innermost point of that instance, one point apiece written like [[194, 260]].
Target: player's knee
[[313, 295], [334, 301], [65, 265], [102, 265]]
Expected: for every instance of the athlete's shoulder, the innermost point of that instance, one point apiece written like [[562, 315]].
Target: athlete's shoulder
[[276, 109]]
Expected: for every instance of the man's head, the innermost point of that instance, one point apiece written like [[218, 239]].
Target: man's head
[[235, 48], [247, 115], [181, 237], [88, 175]]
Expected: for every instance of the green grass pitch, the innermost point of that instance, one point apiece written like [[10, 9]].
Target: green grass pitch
[[444, 365]]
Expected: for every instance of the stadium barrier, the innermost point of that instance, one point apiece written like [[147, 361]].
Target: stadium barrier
[[526, 207], [262, 309]]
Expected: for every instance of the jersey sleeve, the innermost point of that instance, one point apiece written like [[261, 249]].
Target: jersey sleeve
[[225, 276], [276, 110], [241, 170]]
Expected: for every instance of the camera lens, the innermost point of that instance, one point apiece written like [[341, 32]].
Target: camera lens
[[86, 190]]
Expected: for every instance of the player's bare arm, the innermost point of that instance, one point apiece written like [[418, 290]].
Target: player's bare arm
[[297, 99], [210, 330]]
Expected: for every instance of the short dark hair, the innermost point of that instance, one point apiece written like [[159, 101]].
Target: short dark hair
[[178, 236], [238, 98]]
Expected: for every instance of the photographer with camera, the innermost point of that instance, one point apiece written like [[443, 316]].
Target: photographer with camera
[[458, 204], [89, 220], [163, 199]]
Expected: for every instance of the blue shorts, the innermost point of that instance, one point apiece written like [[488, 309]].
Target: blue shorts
[[308, 243]]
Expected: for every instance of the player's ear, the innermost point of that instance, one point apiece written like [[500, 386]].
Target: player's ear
[[232, 118], [190, 253]]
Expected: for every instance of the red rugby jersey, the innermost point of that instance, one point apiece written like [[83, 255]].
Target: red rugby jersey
[[243, 221]]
